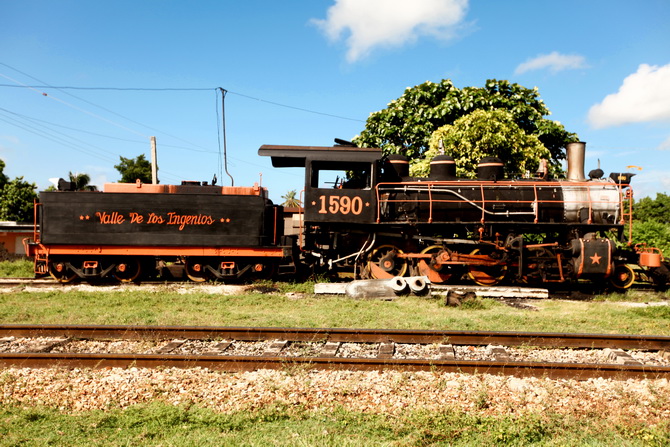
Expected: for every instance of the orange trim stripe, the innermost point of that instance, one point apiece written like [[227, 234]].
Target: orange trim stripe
[[112, 250]]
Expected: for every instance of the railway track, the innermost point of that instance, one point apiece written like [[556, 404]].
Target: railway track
[[523, 354]]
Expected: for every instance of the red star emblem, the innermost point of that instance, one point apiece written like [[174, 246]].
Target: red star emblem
[[595, 259]]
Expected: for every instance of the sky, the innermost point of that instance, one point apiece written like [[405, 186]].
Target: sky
[[303, 72]]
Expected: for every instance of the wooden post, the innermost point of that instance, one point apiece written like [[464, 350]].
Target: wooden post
[[154, 164]]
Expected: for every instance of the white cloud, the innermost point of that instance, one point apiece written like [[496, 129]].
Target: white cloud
[[554, 61], [386, 23], [644, 96]]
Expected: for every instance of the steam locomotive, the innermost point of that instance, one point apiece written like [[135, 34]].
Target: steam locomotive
[[363, 217]]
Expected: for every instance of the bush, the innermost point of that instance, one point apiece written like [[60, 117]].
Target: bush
[[22, 268]]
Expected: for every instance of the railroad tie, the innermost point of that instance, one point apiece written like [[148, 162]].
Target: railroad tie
[[171, 346], [275, 348], [447, 352], [620, 357], [330, 349], [386, 350], [499, 353], [218, 348], [49, 345]]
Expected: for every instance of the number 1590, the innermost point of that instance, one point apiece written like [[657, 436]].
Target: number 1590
[[340, 204]]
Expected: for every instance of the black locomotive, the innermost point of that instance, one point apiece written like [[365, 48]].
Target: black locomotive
[[363, 217]]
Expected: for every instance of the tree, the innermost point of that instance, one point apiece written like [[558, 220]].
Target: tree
[[657, 209], [3, 178], [132, 169], [485, 133], [652, 222], [406, 125], [290, 201], [654, 234], [81, 182], [17, 200]]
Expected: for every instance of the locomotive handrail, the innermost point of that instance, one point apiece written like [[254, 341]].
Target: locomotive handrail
[[590, 220], [428, 187], [36, 233], [537, 205], [481, 189]]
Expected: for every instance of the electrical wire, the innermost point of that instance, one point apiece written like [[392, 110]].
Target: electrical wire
[[159, 89]]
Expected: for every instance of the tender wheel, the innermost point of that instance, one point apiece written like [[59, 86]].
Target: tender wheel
[[384, 263], [195, 270], [127, 270], [61, 272], [623, 277], [264, 270], [486, 275], [433, 268]]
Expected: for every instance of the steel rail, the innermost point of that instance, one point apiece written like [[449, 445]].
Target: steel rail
[[481, 338], [250, 363]]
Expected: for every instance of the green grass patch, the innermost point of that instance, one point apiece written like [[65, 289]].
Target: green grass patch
[[165, 306], [161, 424], [22, 268]]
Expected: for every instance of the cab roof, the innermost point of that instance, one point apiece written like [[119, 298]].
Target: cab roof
[[296, 156]]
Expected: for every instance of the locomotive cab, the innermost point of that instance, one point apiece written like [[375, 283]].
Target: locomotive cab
[[339, 180]]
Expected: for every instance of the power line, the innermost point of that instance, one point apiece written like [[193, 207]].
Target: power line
[[195, 89], [165, 89], [102, 135]]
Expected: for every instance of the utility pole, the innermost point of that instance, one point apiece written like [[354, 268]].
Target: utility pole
[[154, 163]]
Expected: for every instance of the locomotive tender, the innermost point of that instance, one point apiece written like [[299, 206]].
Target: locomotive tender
[[374, 222]]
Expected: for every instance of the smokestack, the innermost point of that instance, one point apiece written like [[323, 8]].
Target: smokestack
[[575, 153]]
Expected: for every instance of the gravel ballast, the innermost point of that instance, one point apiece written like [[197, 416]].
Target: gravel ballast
[[384, 392]]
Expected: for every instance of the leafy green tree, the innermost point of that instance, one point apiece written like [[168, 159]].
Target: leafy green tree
[[485, 133], [81, 182], [654, 234], [3, 178], [653, 209], [17, 200], [132, 169], [290, 200], [406, 125]]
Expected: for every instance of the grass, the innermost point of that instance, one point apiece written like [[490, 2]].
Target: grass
[[159, 423], [16, 269], [162, 424], [168, 307]]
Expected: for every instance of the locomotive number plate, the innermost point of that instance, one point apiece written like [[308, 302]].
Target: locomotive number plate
[[328, 205], [340, 205]]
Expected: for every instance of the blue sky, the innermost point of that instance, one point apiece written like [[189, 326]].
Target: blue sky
[[304, 72]]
